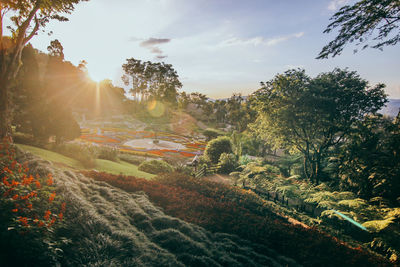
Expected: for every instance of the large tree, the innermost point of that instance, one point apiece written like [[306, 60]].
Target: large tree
[[312, 115], [27, 17], [379, 19], [150, 80]]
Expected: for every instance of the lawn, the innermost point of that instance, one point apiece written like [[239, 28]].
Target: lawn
[[121, 167]]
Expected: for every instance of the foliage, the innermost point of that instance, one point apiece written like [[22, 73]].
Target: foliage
[[216, 147], [151, 80], [221, 208], [26, 17], [358, 22], [370, 159], [155, 166], [227, 163], [311, 116], [106, 152], [211, 134], [30, 209], [82, 153]]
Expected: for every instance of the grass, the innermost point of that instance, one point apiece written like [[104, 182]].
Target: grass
[[52, 156], [121, 167]]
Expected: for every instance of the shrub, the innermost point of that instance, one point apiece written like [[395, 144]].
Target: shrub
[[84, 154], [227, 163], [155, 166], [106, 152], [216, 147], [211, 134], [30, 209]]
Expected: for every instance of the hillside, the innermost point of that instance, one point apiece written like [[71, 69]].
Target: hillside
[[109, 227], [114, 220]]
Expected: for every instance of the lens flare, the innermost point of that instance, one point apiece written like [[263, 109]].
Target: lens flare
[[156, 108]]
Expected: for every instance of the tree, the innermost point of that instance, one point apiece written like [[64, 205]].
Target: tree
[[151, 80], [370, 159], [56, 49], [27, 18], [311, 116], [216, 147], [357, 23]]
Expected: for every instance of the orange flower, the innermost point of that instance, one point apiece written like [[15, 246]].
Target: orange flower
[[15, 197], [52, 196], [14, 183], [37, 183], [23, 220], [29, 206], [5, 182], [60, 216], [14, 210], [47, 215], [41, 224], [53, 220], [50, 180]]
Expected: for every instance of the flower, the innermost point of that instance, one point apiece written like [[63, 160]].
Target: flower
[[52, 196], [47, 215]]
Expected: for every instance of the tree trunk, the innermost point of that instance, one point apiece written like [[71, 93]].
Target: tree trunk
[[5, 112]]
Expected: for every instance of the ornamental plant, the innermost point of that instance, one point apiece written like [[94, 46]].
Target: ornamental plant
[[29, 208]]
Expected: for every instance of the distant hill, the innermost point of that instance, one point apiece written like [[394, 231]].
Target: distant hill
[[391, 108]]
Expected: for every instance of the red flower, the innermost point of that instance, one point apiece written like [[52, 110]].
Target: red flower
[[52, 196], [47, 215]]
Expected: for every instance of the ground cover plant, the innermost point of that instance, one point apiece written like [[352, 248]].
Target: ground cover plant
[[106, 226], [221, 208]]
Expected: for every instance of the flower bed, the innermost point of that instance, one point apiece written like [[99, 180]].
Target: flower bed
[[116, 138]]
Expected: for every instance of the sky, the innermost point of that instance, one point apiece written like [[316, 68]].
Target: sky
[[218, 47]]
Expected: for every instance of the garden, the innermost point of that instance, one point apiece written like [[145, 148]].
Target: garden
[[145, 143]]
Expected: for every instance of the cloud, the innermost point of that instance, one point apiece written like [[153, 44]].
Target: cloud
[[152, 45], [336, 4], [256, 41], [154, 41]]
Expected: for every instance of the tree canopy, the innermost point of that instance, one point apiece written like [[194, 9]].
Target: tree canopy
[[366, 19], [311, 115], [27, 17], [151, 80]]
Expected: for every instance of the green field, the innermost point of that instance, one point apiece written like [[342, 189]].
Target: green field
[[121, 167]]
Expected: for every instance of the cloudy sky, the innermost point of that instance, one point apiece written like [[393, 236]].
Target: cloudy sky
[[218, 47]]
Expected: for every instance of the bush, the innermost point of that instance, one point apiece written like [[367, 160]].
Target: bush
[[227, 163], [30, 212], [216, 147], [155, 166], [211, 134], [84, 154], [106, 152]]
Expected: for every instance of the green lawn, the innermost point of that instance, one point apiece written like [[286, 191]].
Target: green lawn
[[121, 167]]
